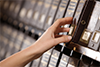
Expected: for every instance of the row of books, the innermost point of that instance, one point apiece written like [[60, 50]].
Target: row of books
[[42, 13], [33, 17], [12, 40]]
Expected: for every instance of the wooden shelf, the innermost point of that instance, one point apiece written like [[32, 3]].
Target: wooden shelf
[[84, 50]]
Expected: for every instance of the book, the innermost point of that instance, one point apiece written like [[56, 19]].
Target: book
[[36, 62], [74, 59], [1, 8], [18, 42], [44, 13], [45, 58], [27, 11], [86, 33], [77, 16], [6, 34], [4, 9], [85, 62], [36, 12], [55, 56], [95, 64], [64, 57], [63, 61], [84, 20], [94, 27], [71, 11], [11, 43], [62, 9], [14, 8], [52, 14]]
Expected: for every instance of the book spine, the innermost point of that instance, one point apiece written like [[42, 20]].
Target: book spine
[[62, 9], [94, 40], [77, 16], [11, 43], [36, 12], [63, 61], [14, 9], [55, 56], [71, 11], [44, 13], [26, 11], [85, 17], [52, 14], [45, 58]]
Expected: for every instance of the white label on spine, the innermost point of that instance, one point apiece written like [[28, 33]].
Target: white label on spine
[[42, 18], [36, 14], [86, 36], [23, 12], [71, 30], [49, 20], [29, 13], [70, 65], [96, 37]]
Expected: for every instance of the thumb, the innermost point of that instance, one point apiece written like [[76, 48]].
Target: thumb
[[62, 39]]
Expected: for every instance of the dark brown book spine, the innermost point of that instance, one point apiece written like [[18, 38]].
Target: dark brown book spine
[[83, 20]]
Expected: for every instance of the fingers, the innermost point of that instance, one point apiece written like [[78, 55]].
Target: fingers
[[64, 38], [56, 36], [62, 30], [63, 21]]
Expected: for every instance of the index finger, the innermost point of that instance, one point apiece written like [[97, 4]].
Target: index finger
[[63, 21]]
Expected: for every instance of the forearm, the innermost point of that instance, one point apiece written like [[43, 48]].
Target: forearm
[[21, 58]]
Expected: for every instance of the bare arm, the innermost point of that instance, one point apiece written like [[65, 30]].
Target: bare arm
[[48, 40]]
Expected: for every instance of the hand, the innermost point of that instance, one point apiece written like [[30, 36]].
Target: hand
[[48, 40], [51, 38]]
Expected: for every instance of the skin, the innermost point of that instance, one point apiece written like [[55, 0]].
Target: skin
[[48, 40]]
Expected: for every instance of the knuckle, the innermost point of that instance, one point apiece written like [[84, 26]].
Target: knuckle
[[67, 29], [50, 28], [64, 38], [59, 20]]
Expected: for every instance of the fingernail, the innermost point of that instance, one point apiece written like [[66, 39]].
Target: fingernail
[[69, 37]]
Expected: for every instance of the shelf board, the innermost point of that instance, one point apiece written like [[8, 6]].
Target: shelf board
[[84, 50]]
